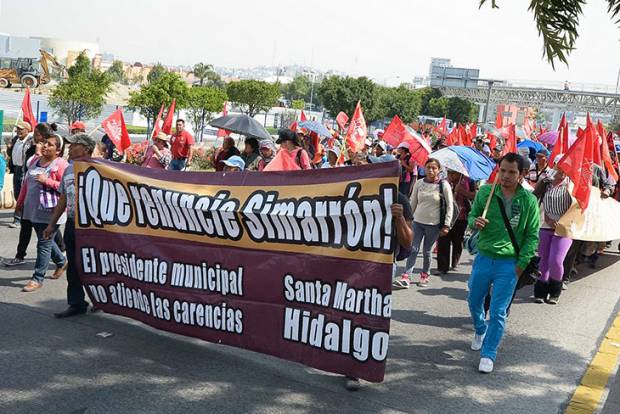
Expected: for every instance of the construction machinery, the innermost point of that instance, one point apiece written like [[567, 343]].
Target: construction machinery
[[28, 72]]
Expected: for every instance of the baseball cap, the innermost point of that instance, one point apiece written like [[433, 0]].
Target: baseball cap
[[382, 145], [83, 139], [23, 125], [235, 161], [77, 125], [403, 145]]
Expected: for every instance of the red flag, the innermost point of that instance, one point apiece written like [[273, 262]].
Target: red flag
[[499, 120], [342, 119], [561, 145], [609, 165], [473, 131], [527, 128], [114, 126], [283, 161], [302, 117], [27, 114], [167, 127], [596, 142], [395, 133], [442, 129], [222, 132], [492, 141], [577, 164], [511, 140], [357, 132], [398, 132], [465, 138], [157, 125]]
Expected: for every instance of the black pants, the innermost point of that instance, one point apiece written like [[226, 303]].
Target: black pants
[[453, 239], [75, 291], [571, 256]]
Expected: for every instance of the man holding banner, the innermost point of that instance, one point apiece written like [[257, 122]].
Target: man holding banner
[[81, 147]]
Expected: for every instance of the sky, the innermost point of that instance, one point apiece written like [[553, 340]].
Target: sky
[[390, 41]]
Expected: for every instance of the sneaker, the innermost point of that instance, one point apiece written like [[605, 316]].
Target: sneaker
[[476, 343], [438, 272], [352, 384], [564, 285], [13, 262], [539, 300], [14, 225], [31, 286], [553, 300], [486, 365], [403, 282], [423, 279]]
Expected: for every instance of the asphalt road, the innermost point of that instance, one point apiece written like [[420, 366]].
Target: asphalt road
[[63, 366]]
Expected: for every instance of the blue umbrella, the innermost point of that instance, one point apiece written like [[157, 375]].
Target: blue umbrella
[[315, 126], [465, 160], [528, 143]]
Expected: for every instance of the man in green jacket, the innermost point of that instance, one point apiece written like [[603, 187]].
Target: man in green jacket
[[497, 264]]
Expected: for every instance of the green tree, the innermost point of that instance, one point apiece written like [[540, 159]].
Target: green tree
[[342, 94], [82, 94], [298, 104], [299, 88], [116, 72], [438, 107], [426, 94], [202, 102], [462, 110], [400, 101], [149, 98], [557, 22], [201, 71], [253, 96], [157, 72]]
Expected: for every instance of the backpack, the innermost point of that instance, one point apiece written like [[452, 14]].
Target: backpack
[[443, 208]]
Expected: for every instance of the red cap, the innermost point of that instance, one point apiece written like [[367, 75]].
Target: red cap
[[78, 125]]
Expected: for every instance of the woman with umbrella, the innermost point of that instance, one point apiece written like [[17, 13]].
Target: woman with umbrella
[[227, 150], [251, 155]]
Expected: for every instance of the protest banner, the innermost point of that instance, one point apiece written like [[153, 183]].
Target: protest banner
[[293, 264], [596, 223]]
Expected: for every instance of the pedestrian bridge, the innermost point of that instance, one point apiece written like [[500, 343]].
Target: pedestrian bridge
[[569, 100]]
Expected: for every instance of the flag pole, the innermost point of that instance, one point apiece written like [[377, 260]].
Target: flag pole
[[486, 207], [90, 134]]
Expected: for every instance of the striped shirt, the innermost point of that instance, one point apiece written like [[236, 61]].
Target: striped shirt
[[556, 201]]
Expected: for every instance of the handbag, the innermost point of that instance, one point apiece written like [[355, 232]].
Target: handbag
[[470, 241], [443, 207], [530, 274]]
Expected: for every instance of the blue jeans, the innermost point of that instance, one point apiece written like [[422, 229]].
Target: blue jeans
[[427, 233], [178, 164], [501, 274], [46, 249]]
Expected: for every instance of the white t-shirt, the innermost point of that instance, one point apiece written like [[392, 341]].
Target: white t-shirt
[[17, 154]]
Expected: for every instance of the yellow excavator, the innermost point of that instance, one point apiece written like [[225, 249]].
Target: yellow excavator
[[28, 72]]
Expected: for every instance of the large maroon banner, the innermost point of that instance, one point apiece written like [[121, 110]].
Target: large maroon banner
[[292, 264]]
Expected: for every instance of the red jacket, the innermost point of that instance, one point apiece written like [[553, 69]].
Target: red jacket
[[53, 181]]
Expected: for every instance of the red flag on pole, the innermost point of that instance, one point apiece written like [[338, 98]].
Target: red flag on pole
[[465, 138], [527, 128], [357, 132], [596, 142], [167, 127], [511, 140], [499, 120], [442, 129], [222, 132], [157, 124], [27, 114], [341, 120], [397, 132], [577, 165], [114, 126], [561, 145], [609, 165], [303, 117], [473, 131]]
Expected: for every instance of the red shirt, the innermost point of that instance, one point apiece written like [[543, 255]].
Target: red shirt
[[181, 144]]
